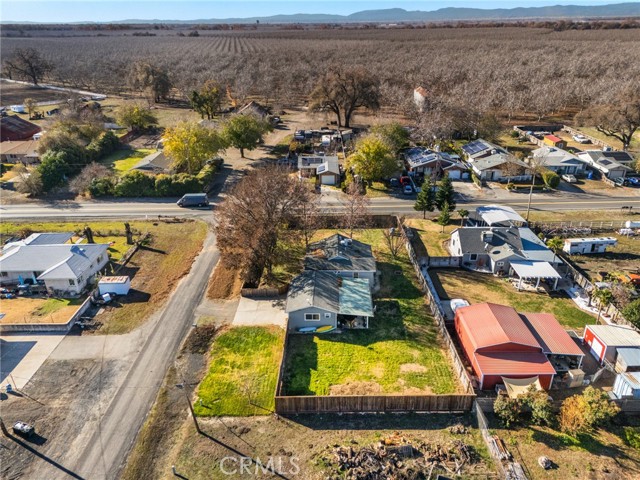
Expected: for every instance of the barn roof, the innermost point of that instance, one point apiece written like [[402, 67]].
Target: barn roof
[[15, 128], [552, 337], [514, 363], [490, 324]]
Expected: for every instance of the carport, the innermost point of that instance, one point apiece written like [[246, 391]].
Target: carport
[[528, 270]]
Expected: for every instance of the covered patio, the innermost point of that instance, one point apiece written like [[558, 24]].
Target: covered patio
[[529, 271], [355, 304]]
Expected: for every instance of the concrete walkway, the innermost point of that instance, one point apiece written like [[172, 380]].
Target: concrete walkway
[[21, 355], [261, 312]]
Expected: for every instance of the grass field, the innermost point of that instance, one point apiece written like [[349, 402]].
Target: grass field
[[39, 310], [155, 269], [243, 370], [609, 453], [399, 353], [431, 234], [124, 160], [478, 287]]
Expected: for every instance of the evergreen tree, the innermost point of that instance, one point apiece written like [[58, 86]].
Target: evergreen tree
[[425, 201], [445, 216], [446, 194]]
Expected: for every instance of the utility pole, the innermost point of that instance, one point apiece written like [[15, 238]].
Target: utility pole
[[183, 386], [533, 182]]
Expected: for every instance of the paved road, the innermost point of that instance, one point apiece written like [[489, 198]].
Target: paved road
[[153, 208], [106, 452]]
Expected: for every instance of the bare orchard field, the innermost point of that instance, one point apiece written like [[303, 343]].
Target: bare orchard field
[[478, 287], [155, 268], [15, 93], [616, 261]]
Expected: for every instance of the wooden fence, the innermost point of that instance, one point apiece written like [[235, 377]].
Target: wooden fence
[[594, 140], [264, 292], [292, 405]]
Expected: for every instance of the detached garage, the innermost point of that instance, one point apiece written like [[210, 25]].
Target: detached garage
[[604, 340]]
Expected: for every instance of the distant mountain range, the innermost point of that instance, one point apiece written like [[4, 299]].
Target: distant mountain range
[[394, 15]]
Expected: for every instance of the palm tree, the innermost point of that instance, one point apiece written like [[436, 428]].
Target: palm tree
[[463, 214], [604, 297], [555, 244]]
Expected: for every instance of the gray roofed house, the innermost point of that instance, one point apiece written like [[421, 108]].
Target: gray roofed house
[[344, 256], [325, 167], [619, 156], [558, 160], [48, 238], [609, 167], [501, 166], [493, 249], [156, 162], [318, 299], [65, 268], [479, 149]]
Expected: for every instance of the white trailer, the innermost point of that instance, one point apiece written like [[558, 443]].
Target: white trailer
[[583, 246], [119, 285]]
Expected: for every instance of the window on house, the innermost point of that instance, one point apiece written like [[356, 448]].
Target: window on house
[[356, 275], [473, 256], [72, 281], [500, 264], [99, 258], [327, 315], [4, 274], [311, 317]]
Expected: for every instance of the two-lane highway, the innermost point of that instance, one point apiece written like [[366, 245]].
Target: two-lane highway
[[331, 203]]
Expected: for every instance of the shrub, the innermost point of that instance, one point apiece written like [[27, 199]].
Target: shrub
[[551, 179], [205, 176], [508, 410], [632, 312], [582, 413], [514, 134], [135, 184], [102, 187]]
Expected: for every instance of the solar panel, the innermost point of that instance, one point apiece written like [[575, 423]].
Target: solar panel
[[474, 147], [605, 162], [321, 168]]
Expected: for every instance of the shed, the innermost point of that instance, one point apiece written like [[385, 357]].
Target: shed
[[627, 385], [554, 141], [584, 246], [605, 340], [119, 285], [628, 360]]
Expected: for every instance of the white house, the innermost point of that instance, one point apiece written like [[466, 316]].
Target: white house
[[558, 160], [64, 268], [501, 167], [588, 245]]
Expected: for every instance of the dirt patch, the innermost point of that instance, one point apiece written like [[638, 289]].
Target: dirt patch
[[412, 368], [200, 338], [38, 310], [225, 283], [356, 388]]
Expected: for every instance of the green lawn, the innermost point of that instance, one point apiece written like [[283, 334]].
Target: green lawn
[[123, 160], [52, 305], [243, 371], [478, 287], [378, 189], [431, 234], [400, 353]]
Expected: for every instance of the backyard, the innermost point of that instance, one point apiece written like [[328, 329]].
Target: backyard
[[611, 453], [432, 236], [39, 310], [478, 287], [616, 261], [401, 352], [242, 374], [155, 268], [124, 160]]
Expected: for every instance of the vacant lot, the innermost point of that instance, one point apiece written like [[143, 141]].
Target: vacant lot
[[399, 353], [15, 93], [618, 260], [155, 269], [310, 440], [39, 310], [610, 454], [242, 374], [480, 287]]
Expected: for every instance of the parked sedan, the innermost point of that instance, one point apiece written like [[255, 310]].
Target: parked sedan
[[634, 181], [407, 190], [581, 138], [567, 177], [457, 303]]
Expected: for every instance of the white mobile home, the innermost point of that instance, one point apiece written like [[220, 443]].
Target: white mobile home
[[582, 246]]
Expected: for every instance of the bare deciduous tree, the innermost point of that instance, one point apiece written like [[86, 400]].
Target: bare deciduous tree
[[27, 63], [94, 171], [356, 208]]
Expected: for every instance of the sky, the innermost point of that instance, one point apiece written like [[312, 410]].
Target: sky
[[114, 10]]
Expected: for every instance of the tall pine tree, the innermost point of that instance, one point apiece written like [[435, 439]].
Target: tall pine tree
[[446, 194], [425, 201], [444, 217]]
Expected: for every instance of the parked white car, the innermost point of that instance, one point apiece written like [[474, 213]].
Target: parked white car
[[581, 138], [567, 177]]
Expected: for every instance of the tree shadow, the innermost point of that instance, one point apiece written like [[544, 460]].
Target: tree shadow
[[560, 441], [153, 250], [382, 421]]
